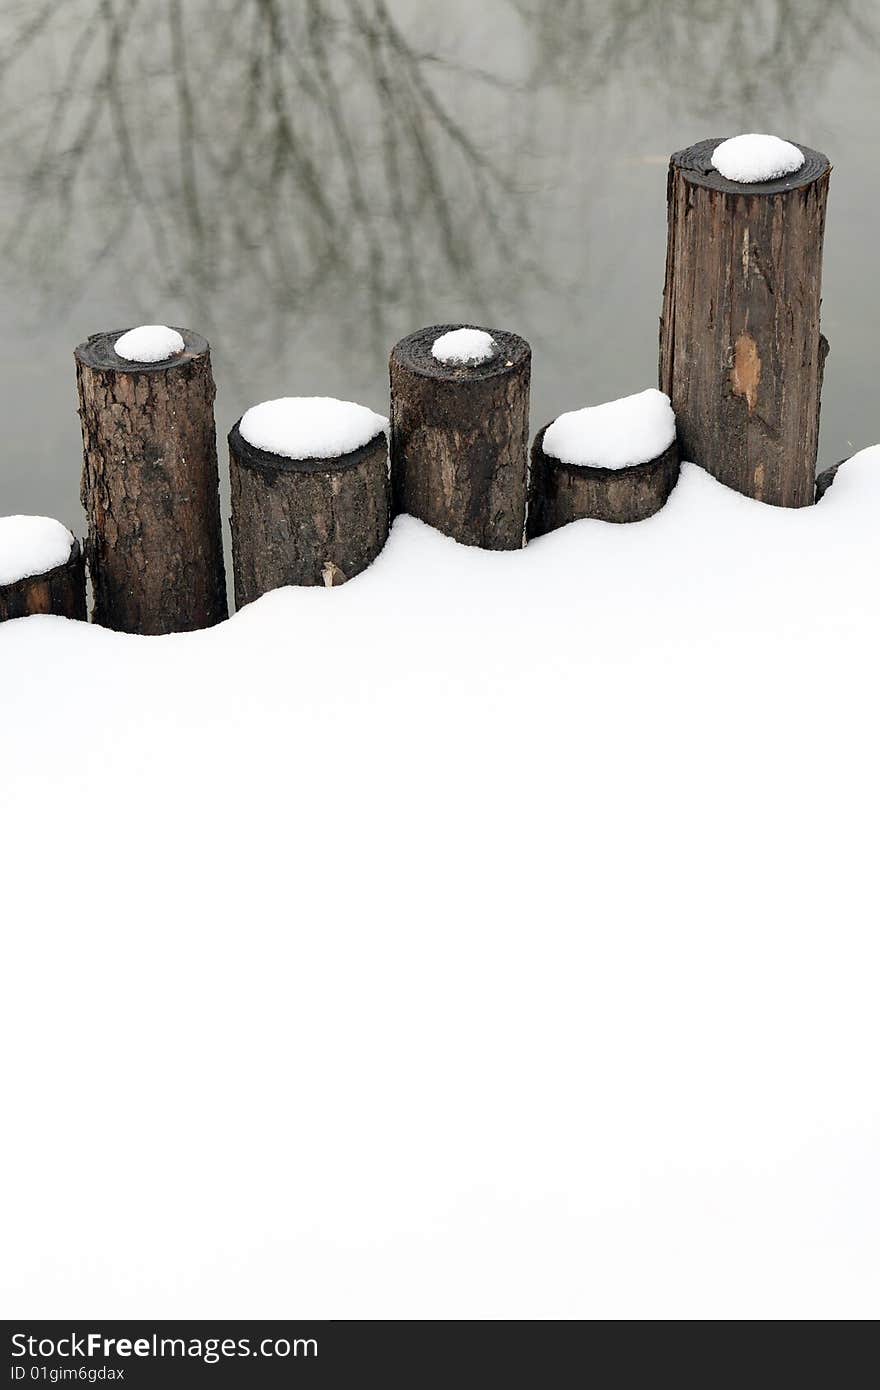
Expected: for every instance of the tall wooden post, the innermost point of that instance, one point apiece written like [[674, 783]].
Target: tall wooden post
[[150, 487], [741, 354]]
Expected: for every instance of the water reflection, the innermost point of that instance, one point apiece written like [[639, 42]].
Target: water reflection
[[719, 55], [308, 179], [263, 149], [269, 149]]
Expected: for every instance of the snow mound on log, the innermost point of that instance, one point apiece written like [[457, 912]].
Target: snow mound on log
[[310, 427], [464, 347], [31, 545], [756, 158], [616, 434], [152, 342]]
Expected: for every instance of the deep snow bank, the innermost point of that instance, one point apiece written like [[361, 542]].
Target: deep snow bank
[[493, 936]]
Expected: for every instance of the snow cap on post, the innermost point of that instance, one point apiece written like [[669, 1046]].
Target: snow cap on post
[[616, 434], [41, 569], [756, 158], [310, 427], [464, 347], [31, 545], [151, 342]]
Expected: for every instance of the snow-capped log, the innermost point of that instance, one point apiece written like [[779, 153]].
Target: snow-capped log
[[612, 462], [314, 507], [741, 352], [460, 432], [150, 485], [42, 569]]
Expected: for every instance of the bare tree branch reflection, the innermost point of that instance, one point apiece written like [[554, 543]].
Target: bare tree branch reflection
[[256, 148], [323, 158], [739, 56]]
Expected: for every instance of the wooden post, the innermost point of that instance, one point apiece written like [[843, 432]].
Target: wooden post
[[741, 354], [150, 487], [460, 439], [305, 521], [60, 590], [562, 492]]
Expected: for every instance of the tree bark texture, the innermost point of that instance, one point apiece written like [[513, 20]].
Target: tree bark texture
[[150, 488], [460, 439], [61, 590], [305, 521], [563, 492], [741, 354]]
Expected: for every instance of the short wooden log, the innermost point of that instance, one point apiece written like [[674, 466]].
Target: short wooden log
[[305, 521], [150, 488], [741, 354], [61, 590], [460, 439], [563, 492]]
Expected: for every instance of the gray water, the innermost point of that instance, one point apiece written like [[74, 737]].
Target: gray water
[[304, 181]]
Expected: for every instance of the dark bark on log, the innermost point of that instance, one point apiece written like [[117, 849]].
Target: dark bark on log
[[150, 488], [825, 479], [305, 521], [61, 590], [460, 439], [741, 354], [563, 492]]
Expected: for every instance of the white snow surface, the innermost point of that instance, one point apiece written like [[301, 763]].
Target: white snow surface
[[615, 434], [756, 158], [493, 936], [464, 347], [31, 545], [152, 342], [302, 427]]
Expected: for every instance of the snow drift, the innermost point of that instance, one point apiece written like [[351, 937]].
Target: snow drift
[[494, 936]]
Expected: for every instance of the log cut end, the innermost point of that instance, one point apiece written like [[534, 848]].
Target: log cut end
[[695, 166], [98, 353], [415, 354]]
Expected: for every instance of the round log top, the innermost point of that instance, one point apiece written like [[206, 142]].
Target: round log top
[[615, 435], [415, 352], [695, 164], [597, 472], [307, 434], [33, 547], [99, 353]]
